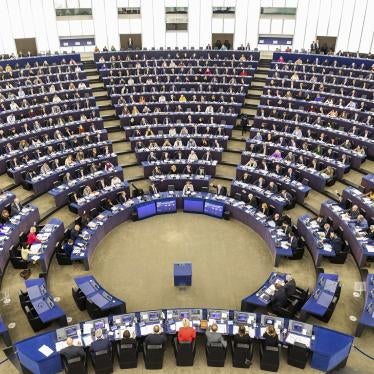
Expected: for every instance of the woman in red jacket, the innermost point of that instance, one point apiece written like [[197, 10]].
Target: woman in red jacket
[[31, 236], [186, 333]]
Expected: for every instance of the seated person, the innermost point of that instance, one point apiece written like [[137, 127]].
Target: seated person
[[156, 338], [74, 233], [361, 222], [213, 336], [337, 243], [173, 170], [252, 200], [272, 187], [5, 216], [328, 171], [107, 204], [354, 212], [246, 178], [152, 157], [251, 163], [293, 241], [220, 190], [278, 219], [188, 188], [116, 181], [186, 333], [72, 351], [242, 337], [87, 191], [279, 299], [192, 157], [290, 286], [264, 209], [32, 236], [371, 232], [121, 197], [68, 247], [128, 338], [260, 182], [270, 337], [100, 342]]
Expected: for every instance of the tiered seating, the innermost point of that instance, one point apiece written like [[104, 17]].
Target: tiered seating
[[320, 109], [177, 107], [49, 123]]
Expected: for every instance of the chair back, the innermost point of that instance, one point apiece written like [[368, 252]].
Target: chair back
[[153, 356], [74, 365]]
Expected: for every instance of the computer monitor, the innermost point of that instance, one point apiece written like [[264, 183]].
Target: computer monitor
[[193, 205], [146, 210], [271, 320], [244, 318], [214, 209], [218, 314], [184, 314], [300, 328], [68, 331], [124, 319], [99, 325], [166, 206]]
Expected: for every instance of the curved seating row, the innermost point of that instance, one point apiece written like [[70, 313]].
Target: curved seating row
[[361, 246], [329, 348], [11, 231], [93, 233]]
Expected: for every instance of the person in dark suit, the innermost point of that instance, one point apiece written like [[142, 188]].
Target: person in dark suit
[[293, 241], [156, 338], [279, 299], [252, 201], [270, 337], [246, 178], [354, 212], [72, 351], [337, 243], [15, 207], [74, 233], [278, 219], [127, 339], [272, 187], [260, 182], [69, 247], [221, 190], [121, 197], [321, 221], [264, 209], [100, 343], [327, 230], [290, 286], [242, 337]]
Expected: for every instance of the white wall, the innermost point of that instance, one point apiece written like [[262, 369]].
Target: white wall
[[350, 21]]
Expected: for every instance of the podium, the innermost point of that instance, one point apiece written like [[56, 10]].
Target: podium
[[182, 274]]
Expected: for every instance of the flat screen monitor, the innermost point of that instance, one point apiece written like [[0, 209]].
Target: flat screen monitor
[[184, 314], [193, 205], [166, 206], [99, 325], [214, 209], [146, 210]]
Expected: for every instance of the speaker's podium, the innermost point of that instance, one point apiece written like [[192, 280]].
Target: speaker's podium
[[182, 274]]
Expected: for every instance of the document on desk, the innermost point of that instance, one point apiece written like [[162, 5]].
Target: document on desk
[[293, 338], [87, 340], [45, 350], [146, 330], [87, 327], [222, 328], [324, 299], [330, 285]]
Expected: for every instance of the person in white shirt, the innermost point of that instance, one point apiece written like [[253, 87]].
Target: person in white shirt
[[161, 99], [172, 131], [11, 119], [209, 109], [56, 99], [297, 132], [115, 181], [14, 106], [192, 157], [178, 143], [188, 188], [81, 85]]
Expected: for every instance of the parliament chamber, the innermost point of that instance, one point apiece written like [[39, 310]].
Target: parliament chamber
[[173, 204]]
